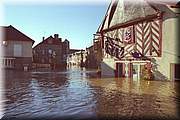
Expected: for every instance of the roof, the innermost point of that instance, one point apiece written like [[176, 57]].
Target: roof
[[50, 41], [125, 12], [122, 11], [90, 47], [74, 50], [13, 34]]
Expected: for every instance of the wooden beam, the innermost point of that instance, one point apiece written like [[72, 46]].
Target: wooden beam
[[151, 38], [132, 22], [160, 38]]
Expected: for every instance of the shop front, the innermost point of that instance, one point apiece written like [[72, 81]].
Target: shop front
[[131, 68]]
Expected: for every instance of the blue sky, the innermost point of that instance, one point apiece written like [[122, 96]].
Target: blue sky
[[77, 23]]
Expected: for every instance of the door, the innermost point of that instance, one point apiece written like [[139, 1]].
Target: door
[[130, 70], [119, 70], [175, 70], [136, 71]]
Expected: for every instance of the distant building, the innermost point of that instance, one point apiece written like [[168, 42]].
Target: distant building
[[140, 39], [71, 51], [91, 58], [97, 51], [76, 58], [17, 49], [51, 52]]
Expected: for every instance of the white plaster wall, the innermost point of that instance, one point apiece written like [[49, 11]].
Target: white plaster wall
[[169, 46]]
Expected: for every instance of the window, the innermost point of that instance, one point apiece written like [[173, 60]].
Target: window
[[43, 52], [50, 60], [50, 51], [42, 60], [17, 50], [4, 43]]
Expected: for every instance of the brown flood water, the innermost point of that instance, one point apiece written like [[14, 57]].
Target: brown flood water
[[76, 93]]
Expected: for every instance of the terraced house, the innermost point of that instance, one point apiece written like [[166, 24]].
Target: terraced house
[[140, 39], [17, 49]]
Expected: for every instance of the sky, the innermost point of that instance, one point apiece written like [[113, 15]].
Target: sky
[[75, 22]]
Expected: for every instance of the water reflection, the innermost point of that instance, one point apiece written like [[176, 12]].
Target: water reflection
[[125, 97], [78, 93]]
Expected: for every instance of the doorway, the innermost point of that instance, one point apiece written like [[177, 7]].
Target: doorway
[[136, 71], [175, 70], [119, 70]]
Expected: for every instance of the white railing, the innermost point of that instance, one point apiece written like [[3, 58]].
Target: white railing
[[7, 62]]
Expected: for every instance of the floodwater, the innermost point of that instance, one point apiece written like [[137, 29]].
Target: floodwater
[[78, 93]]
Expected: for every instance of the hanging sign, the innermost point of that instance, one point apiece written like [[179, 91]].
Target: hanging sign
[[113, 49]]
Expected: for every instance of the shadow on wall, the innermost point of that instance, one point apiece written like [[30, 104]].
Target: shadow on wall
[[157, 74], [107, 71]]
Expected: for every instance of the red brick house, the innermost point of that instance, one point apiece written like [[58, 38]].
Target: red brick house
[[51, 52], [17, 49]]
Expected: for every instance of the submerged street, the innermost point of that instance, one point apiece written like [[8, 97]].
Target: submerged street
[[78, 93], [134, 43]]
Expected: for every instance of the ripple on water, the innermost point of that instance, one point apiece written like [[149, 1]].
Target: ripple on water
[[74, 92]]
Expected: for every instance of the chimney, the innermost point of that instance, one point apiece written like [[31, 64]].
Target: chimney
[[43, 38], [60, 39], [56, 36]]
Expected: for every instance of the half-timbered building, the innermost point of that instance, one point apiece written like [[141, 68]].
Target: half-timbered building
[[140, 39]]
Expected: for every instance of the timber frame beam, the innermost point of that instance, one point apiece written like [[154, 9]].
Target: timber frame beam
[[135, 21]]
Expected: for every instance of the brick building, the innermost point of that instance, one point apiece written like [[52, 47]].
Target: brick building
[[17, 49], [51, 52]]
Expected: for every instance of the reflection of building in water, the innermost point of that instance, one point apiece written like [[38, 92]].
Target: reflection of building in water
[[17, 49], [76, 58], [140, 38], [27, 89], [125, 98], [51, 52]]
